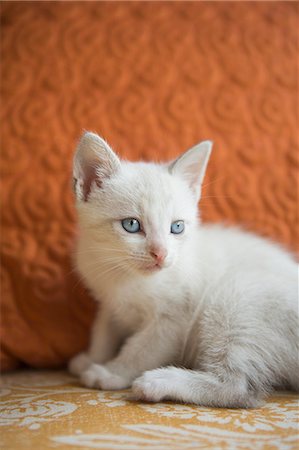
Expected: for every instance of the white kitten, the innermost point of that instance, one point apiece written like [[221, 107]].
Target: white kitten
[[189, 312]]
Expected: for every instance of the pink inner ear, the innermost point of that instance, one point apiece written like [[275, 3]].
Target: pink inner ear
[[90, 176]]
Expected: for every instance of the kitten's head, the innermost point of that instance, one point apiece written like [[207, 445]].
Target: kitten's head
[[136, 216]]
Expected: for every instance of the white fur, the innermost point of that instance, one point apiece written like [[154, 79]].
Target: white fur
[[222, 306]]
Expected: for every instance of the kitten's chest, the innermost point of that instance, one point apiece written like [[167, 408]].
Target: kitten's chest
[[137, 303], [131, 305]]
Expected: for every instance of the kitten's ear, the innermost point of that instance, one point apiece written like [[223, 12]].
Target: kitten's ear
[[94, 161], [192, 165]]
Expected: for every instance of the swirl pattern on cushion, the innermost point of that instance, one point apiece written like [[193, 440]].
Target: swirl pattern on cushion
[[153, 78]]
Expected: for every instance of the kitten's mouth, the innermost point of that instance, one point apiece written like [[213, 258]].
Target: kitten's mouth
[[152, 267]]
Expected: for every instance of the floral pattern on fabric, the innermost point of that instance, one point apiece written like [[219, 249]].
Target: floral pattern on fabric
[[51, 410]]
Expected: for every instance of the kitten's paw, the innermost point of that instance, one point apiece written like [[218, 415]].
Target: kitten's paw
[[152, 386], [79, 363], [97, 376]]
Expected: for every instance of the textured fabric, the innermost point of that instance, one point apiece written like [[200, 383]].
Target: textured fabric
[[41, 410], [153, 78]]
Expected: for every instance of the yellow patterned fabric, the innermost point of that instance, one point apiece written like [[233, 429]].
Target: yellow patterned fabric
[[44, 410]]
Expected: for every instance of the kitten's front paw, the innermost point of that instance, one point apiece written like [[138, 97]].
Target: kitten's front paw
[[79, 363], [151, 386], [97, 376]]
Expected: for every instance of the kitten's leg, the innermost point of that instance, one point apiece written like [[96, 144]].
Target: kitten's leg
[[104, 343], [191, 386], [149, 348], [79, 363]]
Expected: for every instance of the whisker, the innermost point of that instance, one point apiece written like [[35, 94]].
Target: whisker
[[99, 244], [216, 196], [108, 265], [213, 181], [113, 270], [94, 267]]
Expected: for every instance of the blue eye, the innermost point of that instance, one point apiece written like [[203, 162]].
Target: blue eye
[[131, 225], [177, 227]]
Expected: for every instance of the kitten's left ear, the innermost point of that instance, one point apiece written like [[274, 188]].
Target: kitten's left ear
[[192, 165]]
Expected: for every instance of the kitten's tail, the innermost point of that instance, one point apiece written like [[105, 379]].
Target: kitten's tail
[[191, 386]]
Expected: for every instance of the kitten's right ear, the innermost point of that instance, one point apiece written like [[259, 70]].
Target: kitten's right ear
[[94, 161]]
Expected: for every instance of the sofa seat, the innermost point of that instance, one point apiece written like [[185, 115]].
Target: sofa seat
[[51, 410]]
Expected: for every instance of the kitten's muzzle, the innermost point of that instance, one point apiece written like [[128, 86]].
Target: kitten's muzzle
[[158, 255]]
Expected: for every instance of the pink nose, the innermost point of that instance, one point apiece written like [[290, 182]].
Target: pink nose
[[159, 254]]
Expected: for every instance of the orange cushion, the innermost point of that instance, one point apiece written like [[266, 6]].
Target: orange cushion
[[153, 78]]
